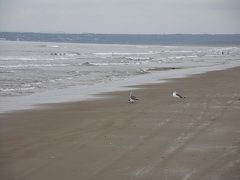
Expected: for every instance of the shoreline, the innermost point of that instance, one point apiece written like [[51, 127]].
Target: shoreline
[[158, 137], [93, 92]]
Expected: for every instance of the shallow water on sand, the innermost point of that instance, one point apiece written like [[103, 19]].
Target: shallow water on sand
[[39, 72]]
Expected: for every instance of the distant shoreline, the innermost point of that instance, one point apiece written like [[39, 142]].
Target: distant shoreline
[[127, 39]]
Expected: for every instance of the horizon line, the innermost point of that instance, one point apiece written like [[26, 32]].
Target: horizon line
[[120, 33]]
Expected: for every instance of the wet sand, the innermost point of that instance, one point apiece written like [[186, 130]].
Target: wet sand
[[159, 137]]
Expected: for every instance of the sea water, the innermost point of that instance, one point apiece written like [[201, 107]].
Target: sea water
[[34, 73]]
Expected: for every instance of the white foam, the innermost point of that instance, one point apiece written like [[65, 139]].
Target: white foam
[[53, 46], [122, 53], [16, 89], [15, 58], [31, 65], [47, 58]]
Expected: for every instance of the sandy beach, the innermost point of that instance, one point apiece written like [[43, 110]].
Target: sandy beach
[[157, 138]]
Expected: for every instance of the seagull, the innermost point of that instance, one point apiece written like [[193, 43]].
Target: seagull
[[143, 71], [176, 95], [132, 98]]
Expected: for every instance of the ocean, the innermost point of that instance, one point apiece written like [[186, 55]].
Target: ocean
[[33, 73]]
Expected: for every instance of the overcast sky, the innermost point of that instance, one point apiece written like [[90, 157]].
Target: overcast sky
[[121, 16]]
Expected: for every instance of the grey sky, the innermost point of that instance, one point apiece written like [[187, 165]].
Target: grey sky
[[121, 16]]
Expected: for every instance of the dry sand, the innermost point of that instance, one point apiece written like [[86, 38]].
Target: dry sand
[[157, 138]]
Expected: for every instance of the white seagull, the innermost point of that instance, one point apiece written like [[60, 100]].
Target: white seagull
[[176, 95], [132, 98]]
